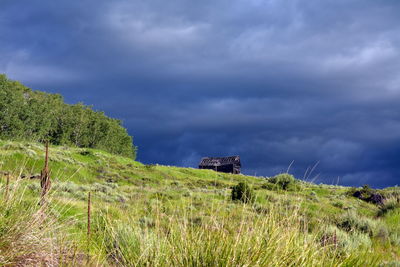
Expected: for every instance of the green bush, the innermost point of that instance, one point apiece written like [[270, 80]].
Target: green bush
[[338, 204], [394, 238], [269, 186], [351, 191], [382, 233], [367, 191], [389, 205], [313, 197], [391, 192], [352, 222], [284, 181], [243, 192], [367, 194], [341, 241]]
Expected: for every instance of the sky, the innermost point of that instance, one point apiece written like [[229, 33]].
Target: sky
[[306, 85]]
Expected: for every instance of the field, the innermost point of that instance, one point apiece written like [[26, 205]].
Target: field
[[151, 215]]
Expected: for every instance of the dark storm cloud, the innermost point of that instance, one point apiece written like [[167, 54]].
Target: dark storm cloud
[[274, 81]]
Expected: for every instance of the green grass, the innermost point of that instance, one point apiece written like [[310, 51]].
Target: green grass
[[150, 215]]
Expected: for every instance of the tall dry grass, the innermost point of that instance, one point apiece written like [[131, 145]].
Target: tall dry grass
[[276, 237], [31, 234]]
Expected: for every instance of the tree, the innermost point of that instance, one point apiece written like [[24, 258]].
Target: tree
[[38, 116]]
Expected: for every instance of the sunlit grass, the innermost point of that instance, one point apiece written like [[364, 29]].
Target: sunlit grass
[[168, 216]]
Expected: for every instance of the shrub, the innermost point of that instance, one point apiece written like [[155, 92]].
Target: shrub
[[338, 204], [394, 239], [342, 241], [69, 187], [269, 186], [367, 194], [352, 222], [105, 188], [350, 192], [243, 192], [367, 191], [284, 181], [391, 192], [382, 233], [313, 197], [389, 205], [86, 153]]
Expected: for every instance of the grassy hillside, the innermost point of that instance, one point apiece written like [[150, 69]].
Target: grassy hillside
[[150, 215]]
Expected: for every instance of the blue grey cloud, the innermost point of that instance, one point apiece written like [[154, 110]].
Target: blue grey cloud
[[273, 81]]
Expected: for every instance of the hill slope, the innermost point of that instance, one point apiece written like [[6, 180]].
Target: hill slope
[[163, 216]]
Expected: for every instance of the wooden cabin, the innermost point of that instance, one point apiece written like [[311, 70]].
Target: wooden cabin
[[225, 164]]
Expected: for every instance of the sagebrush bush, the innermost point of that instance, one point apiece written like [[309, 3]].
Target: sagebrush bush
[[104, 188], [352, 222], [389, 205], [382, 233], [243, 192], [269, 186], [394, 238], [284, 181], [341, 241], [313, 197], [338, 204], [367, 194]]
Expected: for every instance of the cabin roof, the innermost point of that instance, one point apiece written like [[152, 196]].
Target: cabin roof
[[219, 161]]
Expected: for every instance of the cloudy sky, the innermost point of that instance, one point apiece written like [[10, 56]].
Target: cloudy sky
[[312, 82]]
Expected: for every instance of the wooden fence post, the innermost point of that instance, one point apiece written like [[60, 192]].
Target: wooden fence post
[[45, 176], [88, 225], [7, 188]]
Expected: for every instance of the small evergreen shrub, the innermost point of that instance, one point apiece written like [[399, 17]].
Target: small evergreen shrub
[[243, 192]]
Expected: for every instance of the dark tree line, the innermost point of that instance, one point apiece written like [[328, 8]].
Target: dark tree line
[[37, 116]]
